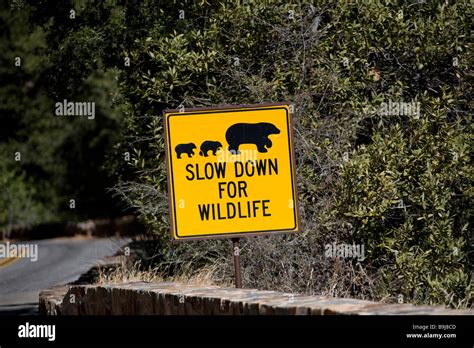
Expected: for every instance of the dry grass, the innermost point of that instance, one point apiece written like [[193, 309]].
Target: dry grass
[[123, 274]]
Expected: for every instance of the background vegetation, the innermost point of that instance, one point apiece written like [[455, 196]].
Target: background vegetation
[[45, 160], [398, 184]]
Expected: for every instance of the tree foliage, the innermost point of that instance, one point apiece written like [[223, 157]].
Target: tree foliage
[[46, 160]]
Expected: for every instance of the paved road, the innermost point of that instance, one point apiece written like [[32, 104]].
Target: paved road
[[60, 261]]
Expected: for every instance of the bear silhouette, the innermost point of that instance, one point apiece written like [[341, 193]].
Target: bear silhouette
[[209, 145], [185, 148], [250, 133]]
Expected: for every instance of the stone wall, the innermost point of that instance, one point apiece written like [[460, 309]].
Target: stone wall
[[140, 298]]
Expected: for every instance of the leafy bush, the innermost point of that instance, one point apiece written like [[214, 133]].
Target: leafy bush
[[407, 196], [18, 201]]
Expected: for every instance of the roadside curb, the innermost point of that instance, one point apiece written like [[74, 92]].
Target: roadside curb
[[122, 226]]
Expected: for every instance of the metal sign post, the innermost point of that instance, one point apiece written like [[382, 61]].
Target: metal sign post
[[236, 252]]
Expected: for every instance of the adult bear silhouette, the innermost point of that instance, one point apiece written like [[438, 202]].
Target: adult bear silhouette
[[250, 133], [185, 148], [209, 145]]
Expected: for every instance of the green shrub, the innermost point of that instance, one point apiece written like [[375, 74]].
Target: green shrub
[[408, 196]]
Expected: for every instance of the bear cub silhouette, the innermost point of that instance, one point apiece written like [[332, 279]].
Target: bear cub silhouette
[[185, 148], [209, 145], [250, 133]]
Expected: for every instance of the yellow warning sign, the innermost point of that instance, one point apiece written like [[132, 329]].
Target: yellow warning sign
[[230, 171]]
